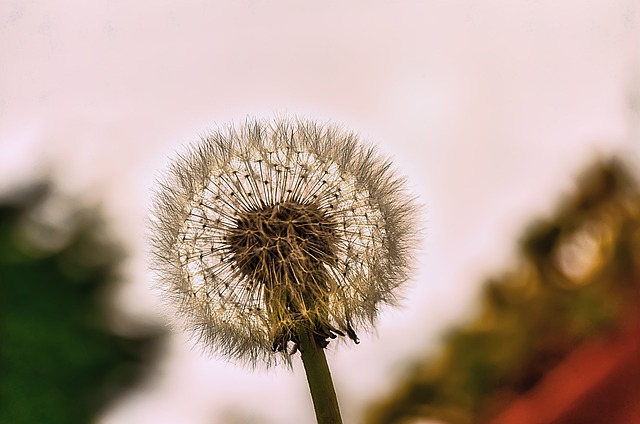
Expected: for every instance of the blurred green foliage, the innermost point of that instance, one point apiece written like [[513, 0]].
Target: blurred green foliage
[[60, 362], [576, 275]]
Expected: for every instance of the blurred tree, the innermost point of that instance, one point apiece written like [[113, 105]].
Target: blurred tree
[[60, 362], [577, 281]]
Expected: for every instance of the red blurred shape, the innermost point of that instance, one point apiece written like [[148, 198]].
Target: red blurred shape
[[598, 383]]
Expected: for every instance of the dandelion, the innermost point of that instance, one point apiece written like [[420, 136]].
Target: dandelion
[[280, 236]]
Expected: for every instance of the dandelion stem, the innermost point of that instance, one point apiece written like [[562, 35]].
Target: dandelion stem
[[323, 393]]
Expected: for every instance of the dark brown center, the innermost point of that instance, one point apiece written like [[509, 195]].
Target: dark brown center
[[281, 243]]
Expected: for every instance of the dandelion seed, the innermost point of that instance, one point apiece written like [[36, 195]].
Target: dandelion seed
[[271, 230]]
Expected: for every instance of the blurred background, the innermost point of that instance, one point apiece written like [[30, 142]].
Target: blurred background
[[517, 124]]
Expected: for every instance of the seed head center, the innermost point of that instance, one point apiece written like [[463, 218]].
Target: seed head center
[[282, 243]]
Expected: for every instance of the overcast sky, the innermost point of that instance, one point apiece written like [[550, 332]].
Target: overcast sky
[[491, 108]]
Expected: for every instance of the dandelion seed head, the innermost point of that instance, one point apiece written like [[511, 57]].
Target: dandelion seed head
[[272, 227]]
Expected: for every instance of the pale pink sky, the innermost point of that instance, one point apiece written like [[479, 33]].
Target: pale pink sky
[[490, 107]]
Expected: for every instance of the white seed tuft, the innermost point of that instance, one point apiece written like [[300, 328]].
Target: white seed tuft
[[272, 227]]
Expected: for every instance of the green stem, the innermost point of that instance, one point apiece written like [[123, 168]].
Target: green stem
[[323, 393]]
